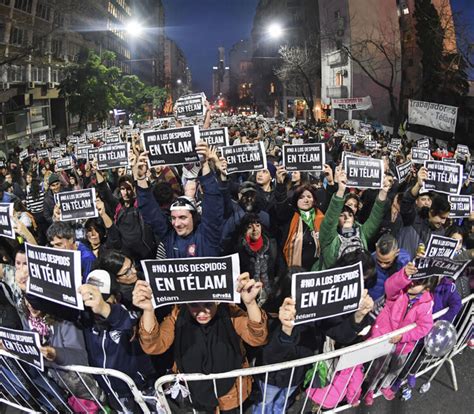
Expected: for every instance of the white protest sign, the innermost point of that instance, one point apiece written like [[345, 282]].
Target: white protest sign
[[352, 104]]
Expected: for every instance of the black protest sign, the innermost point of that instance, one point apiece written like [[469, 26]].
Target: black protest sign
[[420, 155], [82, 139], [43, 153], [203, 279], [351, 139], [92, 154], [72, 140], [423, 143], [443, 177], [462, 151], [461, 206], [440, 246], [396, 141], [403, 170], [215, 137], [2, 163], [23, 155], [55, 275], [189, 106], [176, 146], [364, 172], [112, 156], [245, 157], [43, 138], [370, 144], [343, 131], [328, 293], [81, 151], [112, 139], [439, 267], [306, 157], [56, 153], [76, 205], [393, 147], [24, 345], [6, 222], [64, 163]]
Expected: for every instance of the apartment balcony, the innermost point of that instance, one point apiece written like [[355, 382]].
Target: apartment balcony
[[337, 92]]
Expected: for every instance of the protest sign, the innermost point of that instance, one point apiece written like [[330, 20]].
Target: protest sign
[[203, 279], [81, 139], [42, 138], [64, 163], [175, 146], [23, 155], [351, 139], [434, 266], [352, 104], [443, 177], [343, 131], [440, 246], [92, 154], [370, 144], [363, 172], [403, 170], [81, 150], [112, 139], [55, 275], [462, 151], [113, 156], [432, 115], [245, 157], [24, 345], [42, 153], [6, 222], [216, 137], [189, 106], [56, 153], [2, 163], [77, 205], [72, 140], [423, 143], [328, 293], [366, 354], [396, 141], [393, 147], [420, 155], [306, 157], [461, 206], [450, 160]]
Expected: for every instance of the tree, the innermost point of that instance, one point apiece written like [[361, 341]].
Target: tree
[[298, 71], [92, 88]]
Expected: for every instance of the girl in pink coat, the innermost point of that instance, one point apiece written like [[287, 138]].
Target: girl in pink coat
[[407, 301]]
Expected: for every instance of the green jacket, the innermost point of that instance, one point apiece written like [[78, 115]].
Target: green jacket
[[329, 237]]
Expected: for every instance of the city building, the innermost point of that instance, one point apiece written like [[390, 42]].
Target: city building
[[220, 77], [37, 39], [177, 75], [240, 73]]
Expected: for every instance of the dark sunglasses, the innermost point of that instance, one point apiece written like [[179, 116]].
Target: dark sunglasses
[[197, 306]]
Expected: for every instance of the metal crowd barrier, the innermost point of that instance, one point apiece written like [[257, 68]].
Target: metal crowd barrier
[[24, 387]]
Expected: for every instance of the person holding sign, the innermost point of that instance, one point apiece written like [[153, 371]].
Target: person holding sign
[[339, 232], [418, 226], [187, 235], [207, 338], [407, 301]]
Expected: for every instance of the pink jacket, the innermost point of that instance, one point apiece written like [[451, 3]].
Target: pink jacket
[[394, 315]]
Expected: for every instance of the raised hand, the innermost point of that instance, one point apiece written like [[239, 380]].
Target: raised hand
[[141, 296], [287, 315]]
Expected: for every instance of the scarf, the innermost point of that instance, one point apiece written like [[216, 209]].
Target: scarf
[[207, 349], [259, 266], [255, 246], [293, 248], [308, 217]]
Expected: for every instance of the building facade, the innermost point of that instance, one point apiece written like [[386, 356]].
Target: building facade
[[220, 77], [240, 74], [176, 73]]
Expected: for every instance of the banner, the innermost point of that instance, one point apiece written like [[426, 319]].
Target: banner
[[403, 171], [306, 157], [440, 246], [328, 293], [245, 157], [189, 106], [203, 279], [432, 115], [64, 163], [55, 275], [113, 156], [420, 155], [77, 205], [352, 104], [461, 206], [216, 137], [443, 177], [175, 146], [440, 267], [24, 345], [364, 172], [423, 143], [6, 222]]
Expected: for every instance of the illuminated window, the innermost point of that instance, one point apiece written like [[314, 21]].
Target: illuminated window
[[339, 79], [272, 88]]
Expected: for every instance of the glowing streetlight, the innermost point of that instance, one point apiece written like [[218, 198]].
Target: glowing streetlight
[[134, 28], [179, 81], [275, 31]]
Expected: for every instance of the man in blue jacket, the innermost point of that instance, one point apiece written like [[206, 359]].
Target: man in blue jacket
[[188, 235], [389, 259]]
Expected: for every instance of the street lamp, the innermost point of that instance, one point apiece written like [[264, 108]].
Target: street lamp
[[275, 31], [133, 28]]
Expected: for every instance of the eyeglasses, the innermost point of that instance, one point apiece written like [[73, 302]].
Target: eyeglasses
[[197, 306], [127, 272]]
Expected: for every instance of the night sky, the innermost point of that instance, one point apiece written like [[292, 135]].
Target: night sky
[[200, 27]]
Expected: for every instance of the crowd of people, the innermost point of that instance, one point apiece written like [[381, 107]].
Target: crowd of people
[[279, 223]]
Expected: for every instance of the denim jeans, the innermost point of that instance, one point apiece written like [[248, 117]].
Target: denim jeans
[[274, 399]]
